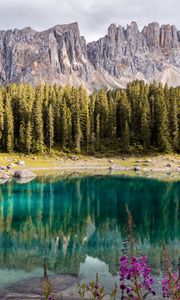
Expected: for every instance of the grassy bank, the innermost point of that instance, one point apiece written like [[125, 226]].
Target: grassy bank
[[166, 166]]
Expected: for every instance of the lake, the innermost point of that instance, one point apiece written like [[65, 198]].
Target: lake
[[79, 224]]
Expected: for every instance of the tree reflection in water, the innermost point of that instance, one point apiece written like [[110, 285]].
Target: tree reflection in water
[[66, 219]]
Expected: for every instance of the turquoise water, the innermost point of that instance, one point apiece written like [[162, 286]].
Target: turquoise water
[[79, 223]]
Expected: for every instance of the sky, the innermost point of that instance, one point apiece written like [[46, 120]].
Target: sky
[[93, 16]]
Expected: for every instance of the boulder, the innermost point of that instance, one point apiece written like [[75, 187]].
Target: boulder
[[114, 167], [5, 176], [2, 168], [12, 165], [21, 163], [137, 168], [110, 161], [169, 165], [24, 174], [74, 157], [9, 167], [149, 160]]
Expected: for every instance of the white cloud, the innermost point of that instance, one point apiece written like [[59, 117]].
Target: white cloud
[[93, 16]]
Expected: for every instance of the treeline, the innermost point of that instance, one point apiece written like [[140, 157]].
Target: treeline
[[140, 117]]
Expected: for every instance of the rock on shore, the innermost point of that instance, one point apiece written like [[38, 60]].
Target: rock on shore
[[24, 174]]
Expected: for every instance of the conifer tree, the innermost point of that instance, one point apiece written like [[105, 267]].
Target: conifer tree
[[28, 137], [102, 109], [133, 93], [21, 138], [138, 117], [78, 134], [30, 98], [84, 116], [58, 115], [161, 128], [65, 126], [97, 131], [112, 118], [50, 127], [173, 117], [145, 116], [37, 117], [123, 113], [92, 121], [126, 137], [1, 115], [8, 136]]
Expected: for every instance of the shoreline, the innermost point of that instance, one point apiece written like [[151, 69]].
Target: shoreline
[[64, 286], [161, 166]]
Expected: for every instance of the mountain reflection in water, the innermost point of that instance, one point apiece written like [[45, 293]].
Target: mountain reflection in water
[[70, 219]]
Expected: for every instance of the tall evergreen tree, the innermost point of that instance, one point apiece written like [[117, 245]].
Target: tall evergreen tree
[[133, 93], [123, 114], [1, 115], [112, 118], [102, 109], [84, 116], [28, 137], [37, 117], [8, 136], [160, 118], [173, 118], [50, 127], [65, 126], [138, 117], [97, 131], [57, 114], [145, 117], [78, 134]]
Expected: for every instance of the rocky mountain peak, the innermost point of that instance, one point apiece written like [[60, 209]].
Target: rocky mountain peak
[[152, 34], [133, 27], [60, 54]]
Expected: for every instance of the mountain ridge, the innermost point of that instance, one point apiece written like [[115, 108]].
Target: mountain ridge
[[61, 55]]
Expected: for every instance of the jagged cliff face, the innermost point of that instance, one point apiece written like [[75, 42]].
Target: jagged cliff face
[[127, 54], [60, 55], [56, 55]]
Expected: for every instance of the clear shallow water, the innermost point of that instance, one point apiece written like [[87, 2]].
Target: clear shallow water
[[79, 223]]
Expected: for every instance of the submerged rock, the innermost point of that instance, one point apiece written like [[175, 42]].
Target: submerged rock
[[24, 174], [2, 181], [24, 180]]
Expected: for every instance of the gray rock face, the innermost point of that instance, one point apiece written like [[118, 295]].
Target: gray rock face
[[60, 55], [24, 174], [128, 53], [56, 55]]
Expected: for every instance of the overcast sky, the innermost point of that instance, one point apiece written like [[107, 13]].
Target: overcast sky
[[93, 16]]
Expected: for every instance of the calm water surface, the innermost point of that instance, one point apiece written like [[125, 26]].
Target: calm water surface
[[79, 223]]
